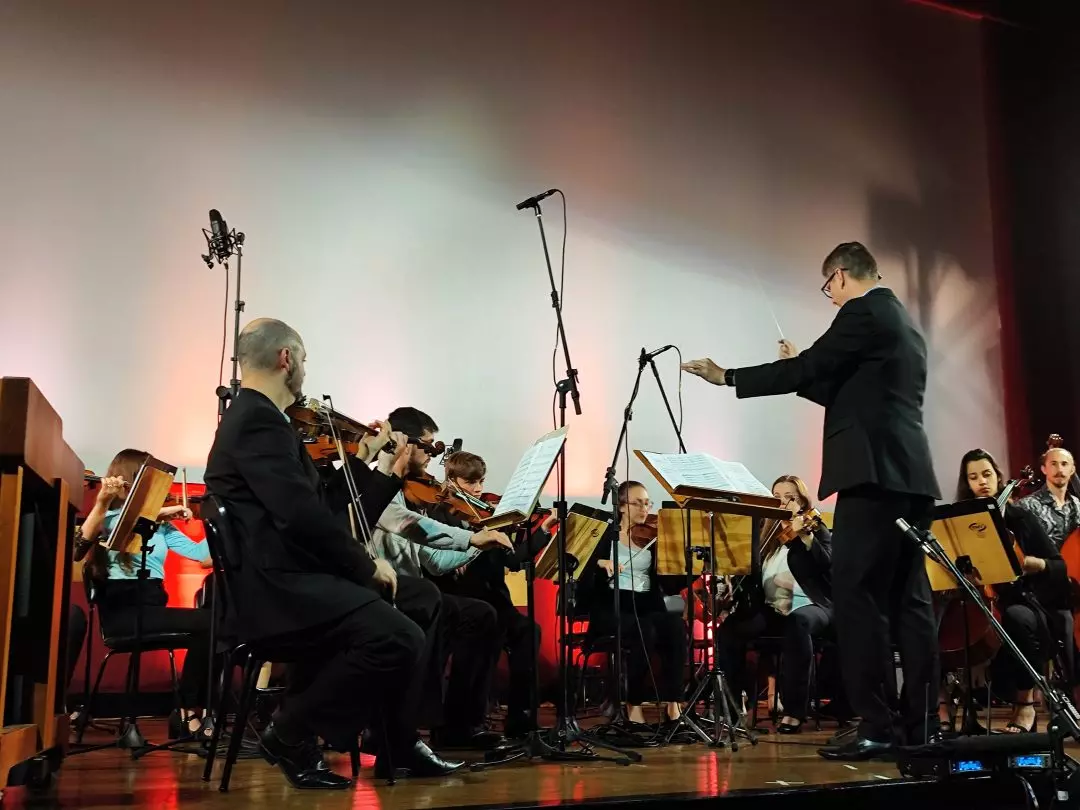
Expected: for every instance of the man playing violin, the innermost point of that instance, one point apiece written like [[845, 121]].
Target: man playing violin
[[485, 578], [415, 544], [304, 589]]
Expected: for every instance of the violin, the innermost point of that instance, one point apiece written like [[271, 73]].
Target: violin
[[811, 522], [426, 491], [328, 433], [644, 533]]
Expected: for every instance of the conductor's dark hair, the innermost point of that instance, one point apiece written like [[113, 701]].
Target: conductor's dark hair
[[411, 421], [852, 257]]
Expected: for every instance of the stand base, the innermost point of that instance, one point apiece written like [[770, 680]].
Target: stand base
[[724, 707], [553, 745]]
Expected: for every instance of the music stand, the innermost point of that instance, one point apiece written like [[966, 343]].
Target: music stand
[[514, 511], [734, 518], [973, 535], [132, 532]]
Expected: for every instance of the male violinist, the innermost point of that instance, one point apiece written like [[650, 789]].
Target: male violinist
[[415, 544], [303, 588], [485, 579], [869, 372]]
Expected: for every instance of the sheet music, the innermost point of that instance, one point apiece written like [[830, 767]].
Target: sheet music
[[523, 491], [703, 470]]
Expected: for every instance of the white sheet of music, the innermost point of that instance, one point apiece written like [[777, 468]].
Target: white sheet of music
[[703, 470], [523, 491]]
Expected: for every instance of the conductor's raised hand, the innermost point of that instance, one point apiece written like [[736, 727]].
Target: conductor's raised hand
[[787, 349], [706, 369], [489, 538]]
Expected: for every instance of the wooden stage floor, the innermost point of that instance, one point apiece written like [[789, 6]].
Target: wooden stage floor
[[109, 779]]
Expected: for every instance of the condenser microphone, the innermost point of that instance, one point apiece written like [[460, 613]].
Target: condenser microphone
[[219, 240], [533, 201]]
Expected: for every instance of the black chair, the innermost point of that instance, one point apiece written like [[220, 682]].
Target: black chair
[[125, 643], [223, 551]]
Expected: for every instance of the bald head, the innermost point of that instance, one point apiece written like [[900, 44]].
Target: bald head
[[261, 342]]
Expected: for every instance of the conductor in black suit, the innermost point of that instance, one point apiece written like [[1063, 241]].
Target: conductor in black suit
[[869, 372], [303, 587]]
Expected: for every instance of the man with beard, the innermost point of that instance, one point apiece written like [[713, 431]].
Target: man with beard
[[1058, 510], [304, 590], [469, 627]]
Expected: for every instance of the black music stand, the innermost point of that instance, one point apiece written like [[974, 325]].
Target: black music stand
[[135, 528], [974, 537], [720, 506]]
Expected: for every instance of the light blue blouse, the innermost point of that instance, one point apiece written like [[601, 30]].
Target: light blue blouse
[[167, 538]]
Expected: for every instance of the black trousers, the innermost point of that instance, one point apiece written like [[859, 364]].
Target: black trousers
[[350, 673], [798, 630], [646, 634], [880, 593], [118, 609], [1030, 632], [516, 634], [472, 643], [521, 640], [421, 601]]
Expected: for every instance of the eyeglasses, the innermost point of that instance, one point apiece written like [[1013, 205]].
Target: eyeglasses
[[640, 504], [825, 287]]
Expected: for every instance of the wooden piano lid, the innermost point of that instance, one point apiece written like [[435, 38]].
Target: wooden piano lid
[[31, 435]]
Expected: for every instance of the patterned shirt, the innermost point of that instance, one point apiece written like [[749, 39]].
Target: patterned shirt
[[1058, 521]]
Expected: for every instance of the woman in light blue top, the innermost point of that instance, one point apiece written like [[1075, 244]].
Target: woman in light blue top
[[648, 628], [115, 575]]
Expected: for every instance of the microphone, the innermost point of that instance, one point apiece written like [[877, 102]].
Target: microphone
[[532, 202], [454, 448], [219, 242], [647, 356]]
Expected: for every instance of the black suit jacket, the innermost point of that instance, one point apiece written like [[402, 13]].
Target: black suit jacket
[[869, 372], [812, 567], [296, 565]]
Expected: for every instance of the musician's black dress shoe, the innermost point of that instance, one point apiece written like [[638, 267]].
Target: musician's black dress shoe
[[474, 739], [858, 750], [419, 761], [302, 764]]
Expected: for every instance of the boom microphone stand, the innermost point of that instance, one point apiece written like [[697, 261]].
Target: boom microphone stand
[[1064, 718], [566, 731]]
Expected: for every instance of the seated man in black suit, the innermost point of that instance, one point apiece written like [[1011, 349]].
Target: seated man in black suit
[[303, 586]]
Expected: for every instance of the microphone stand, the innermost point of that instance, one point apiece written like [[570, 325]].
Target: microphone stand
[[233, 244], [1064, 717], [566, 731]]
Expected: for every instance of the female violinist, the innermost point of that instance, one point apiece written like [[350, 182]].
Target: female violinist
[[797, 577], [115, 574], [644, 616], [1021, 604]]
